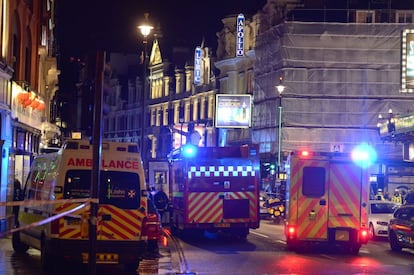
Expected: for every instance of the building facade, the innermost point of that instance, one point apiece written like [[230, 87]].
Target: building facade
[[29, 78], [339, 76], [177, 110]]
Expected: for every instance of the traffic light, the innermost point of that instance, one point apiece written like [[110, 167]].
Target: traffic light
[[272, 169]]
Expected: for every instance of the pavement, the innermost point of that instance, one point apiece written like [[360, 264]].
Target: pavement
[[160, 264], [154, 265]]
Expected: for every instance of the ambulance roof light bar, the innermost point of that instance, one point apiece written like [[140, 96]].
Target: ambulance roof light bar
[[189, 150], [364, 155]]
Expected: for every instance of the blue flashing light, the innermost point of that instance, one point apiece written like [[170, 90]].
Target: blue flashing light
[[189, 150], [364, 155]]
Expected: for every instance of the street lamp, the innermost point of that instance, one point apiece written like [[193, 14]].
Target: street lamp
[[145, 29], [280, 88]]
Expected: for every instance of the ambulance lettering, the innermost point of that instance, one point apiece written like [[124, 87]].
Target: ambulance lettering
[[105, 164]]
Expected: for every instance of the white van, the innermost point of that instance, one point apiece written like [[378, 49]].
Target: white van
[[55, 215]]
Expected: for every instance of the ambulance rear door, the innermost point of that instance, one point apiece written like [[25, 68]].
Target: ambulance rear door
[[309, 197], [346, 192]]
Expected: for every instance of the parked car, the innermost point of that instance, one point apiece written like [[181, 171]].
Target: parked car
[[401, 228], [379, 214]]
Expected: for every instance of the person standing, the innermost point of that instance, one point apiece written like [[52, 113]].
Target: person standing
[[161, 201], [397, 197], [17, 196]]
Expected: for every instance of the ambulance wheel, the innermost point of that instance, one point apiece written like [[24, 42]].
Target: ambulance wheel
[[241, 234], [131, 267], [47, 260], [355, 249], [18, 246], [290, 245]]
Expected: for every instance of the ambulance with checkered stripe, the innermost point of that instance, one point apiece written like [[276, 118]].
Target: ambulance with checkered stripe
[[56, 211], [215, 189], [327, 198]]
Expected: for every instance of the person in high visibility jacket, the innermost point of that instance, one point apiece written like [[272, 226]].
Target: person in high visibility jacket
[[397, 197]]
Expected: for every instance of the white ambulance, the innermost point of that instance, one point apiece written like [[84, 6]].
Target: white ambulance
[[55, 214]]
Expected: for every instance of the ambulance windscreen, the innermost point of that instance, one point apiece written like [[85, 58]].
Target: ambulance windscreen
[[117, 188]]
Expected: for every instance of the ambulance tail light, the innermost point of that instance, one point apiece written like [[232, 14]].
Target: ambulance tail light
[[291, 232], [363, 235]]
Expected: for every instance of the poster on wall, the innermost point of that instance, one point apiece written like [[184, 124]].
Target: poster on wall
[[233, 111]]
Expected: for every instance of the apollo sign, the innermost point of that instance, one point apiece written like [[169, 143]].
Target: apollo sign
[[197, 66], [240, 35]]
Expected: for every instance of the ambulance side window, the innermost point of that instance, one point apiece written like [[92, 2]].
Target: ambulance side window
[[34, 185], [77, 184], [313, 184]]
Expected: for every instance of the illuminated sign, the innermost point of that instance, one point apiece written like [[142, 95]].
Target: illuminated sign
[[240, 35], [197, 65], [402, 124], [407, 61], [233, 111]]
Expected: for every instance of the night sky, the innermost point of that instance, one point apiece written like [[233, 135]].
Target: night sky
[[111, 25]]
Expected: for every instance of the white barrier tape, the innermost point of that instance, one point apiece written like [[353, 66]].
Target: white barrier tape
[[45, 202], [52, 218]]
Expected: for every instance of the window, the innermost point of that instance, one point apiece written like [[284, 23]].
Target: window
[[313, 184], [365, 16], [404, 17], [383, 208], [120, 189]]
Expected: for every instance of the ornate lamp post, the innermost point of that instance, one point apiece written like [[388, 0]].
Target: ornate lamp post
[[280, 88], [145, 29]]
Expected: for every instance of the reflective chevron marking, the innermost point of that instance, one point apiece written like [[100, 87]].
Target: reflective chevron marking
[[221, 171]]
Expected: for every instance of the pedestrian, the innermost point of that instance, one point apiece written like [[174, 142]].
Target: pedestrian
[[397, 197], [161, 201], [17, 196], [379, 196]]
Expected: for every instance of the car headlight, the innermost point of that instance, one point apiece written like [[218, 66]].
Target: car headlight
[[382, 223]]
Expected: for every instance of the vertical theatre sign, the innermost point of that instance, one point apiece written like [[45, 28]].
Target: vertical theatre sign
[[240, 35], [407, 61], [197, 66]]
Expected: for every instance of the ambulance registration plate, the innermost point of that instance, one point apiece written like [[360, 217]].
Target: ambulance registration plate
[[102, 258], [222, 225], [341, 235]]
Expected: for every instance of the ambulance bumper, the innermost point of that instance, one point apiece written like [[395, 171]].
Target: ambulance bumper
[[107, 252]]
